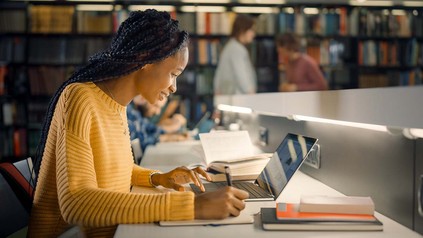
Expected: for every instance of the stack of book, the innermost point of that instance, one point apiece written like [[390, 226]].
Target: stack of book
[[51, 19], [323, 213]]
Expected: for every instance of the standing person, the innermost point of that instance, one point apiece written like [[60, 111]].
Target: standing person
[[301, 71], [235, 72], [84, 164]]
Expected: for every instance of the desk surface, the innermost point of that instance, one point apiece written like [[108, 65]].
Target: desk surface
[[166, 156]]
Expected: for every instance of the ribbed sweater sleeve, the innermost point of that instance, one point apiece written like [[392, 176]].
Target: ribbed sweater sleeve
[[93, 168]]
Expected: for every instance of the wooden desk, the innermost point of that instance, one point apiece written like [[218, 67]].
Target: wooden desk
[[166, 156]]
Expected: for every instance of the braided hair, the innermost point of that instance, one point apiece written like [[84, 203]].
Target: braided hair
[[146, 37]]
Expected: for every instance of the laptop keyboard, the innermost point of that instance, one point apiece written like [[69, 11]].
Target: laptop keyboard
[[253, 190]]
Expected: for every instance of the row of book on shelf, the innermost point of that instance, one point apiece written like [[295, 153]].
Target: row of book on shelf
[[316, 212], [390, 53], [325, 21], [20, 114], [13, 113], [64, 50], [58, 50], [41, 80], [18, 142], [60, 19], [17, 138], [327, 51], [391, 78]]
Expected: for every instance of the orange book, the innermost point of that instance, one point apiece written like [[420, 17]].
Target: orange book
[[383, 53], [3, 71], [343, 15], [16, 143], [208, 23], [360, 53], [290, 211], [393, 54]]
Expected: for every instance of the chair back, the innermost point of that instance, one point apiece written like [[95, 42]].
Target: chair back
[[21, 186], [15, 197]]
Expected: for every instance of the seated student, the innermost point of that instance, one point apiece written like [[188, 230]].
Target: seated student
[[140, 127], [84, 164], [168, 115], [169, 120]]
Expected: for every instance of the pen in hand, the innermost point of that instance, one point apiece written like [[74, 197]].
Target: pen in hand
[[228, 175]]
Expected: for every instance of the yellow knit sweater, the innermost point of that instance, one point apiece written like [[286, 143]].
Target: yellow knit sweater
[[87, 170]]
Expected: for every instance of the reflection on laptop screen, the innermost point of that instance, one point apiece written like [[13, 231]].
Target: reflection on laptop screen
[[285, 161]]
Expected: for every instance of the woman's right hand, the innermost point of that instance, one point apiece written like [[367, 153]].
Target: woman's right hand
[[219, 204]]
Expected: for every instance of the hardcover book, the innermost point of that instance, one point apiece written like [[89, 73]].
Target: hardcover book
[[337, 204], [270, 222], [290, 211]]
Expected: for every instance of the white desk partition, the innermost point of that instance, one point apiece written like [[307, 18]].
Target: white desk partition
[[166, 156], [389, 106]]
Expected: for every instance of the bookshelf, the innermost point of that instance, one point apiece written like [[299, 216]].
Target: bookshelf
[[40, 46], [42, 42]]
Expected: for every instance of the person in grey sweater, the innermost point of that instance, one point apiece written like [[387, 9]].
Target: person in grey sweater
[[235, 72]]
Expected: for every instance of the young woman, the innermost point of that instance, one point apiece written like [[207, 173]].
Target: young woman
[[235, 73], [84, 165]]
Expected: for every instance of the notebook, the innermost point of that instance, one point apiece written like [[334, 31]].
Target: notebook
[[243, 218], [286, 160]]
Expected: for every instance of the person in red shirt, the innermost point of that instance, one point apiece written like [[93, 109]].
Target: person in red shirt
[[301, 71]]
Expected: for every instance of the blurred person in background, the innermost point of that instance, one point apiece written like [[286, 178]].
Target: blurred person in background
[[140, 127], [302, 73], [235, 73]]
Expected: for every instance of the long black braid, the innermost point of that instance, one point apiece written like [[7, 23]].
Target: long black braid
[[146, 37]]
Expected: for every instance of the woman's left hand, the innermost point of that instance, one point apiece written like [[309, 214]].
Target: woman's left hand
[[179, 176]]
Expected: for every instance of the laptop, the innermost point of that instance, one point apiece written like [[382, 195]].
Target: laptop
[[286, 160], [204, 125]]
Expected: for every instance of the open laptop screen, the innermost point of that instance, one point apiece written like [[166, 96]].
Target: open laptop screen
[[286, 160]]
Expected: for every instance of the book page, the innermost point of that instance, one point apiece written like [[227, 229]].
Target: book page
[[226, 146]]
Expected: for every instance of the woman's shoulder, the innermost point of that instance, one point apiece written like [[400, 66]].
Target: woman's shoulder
[[80, 88], [79, 92]]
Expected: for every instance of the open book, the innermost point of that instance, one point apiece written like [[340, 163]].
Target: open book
[[233, 149]]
